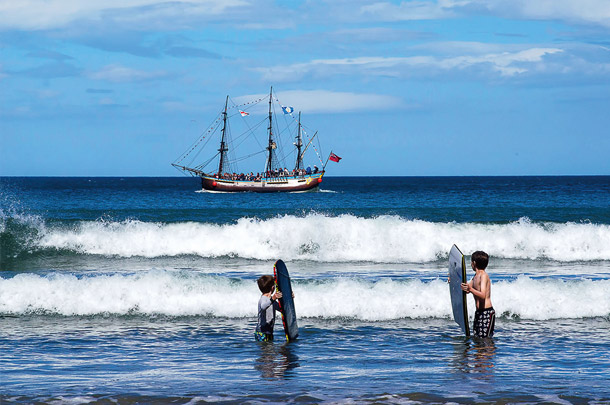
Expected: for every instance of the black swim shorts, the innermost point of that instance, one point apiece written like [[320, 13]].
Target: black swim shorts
[[484, 322]]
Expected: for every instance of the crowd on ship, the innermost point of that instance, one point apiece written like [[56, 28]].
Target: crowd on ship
[[276, 173]]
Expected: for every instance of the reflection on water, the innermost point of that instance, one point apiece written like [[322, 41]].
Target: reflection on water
[[474, 355], [276, 361]]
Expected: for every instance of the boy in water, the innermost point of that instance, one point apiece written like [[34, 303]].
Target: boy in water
[[480, 287], [267, 305]]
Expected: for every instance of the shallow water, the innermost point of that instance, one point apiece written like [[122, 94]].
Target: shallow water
[[217, 359]]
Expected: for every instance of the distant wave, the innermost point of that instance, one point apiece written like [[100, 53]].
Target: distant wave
[[314, 237], [192, 294]]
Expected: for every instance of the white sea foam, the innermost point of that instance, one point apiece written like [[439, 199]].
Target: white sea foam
[[193, 294], [344, 238]]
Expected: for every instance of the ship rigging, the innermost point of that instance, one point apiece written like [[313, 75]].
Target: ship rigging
[[284, 168]]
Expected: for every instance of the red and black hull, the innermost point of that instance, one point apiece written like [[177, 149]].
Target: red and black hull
[[267, 185]]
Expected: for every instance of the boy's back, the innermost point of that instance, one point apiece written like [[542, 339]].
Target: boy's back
[[267, 305]]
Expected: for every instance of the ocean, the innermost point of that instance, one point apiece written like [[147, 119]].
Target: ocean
[[143, 290]]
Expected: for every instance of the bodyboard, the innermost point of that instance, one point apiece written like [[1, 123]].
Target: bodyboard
[[457, 276], [289, 316]]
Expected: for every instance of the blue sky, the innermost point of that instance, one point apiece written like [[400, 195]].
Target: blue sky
[[410, 88]]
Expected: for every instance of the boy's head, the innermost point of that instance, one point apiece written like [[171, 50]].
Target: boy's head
[[480, 259], [265, 283]]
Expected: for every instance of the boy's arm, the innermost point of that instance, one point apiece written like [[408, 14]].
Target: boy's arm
[[478, 293], [466, 287], [274, 300]]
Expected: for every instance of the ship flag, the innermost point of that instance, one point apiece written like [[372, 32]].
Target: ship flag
[[334, 157]]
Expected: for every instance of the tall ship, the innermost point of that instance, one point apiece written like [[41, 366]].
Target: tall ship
[[270, 141]]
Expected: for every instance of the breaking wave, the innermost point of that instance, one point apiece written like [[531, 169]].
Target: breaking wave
[[314, 237], [192, 294]]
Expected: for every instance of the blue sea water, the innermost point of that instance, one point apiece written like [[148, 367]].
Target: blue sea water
[[141, 290]]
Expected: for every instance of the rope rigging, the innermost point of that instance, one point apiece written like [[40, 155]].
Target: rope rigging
[[274, 146], [319, 155], [213, 127]]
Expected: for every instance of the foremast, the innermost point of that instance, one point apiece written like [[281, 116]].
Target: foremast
[[272, 145]]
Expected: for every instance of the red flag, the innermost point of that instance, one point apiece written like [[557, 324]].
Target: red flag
[[243, 113], [334, 157]]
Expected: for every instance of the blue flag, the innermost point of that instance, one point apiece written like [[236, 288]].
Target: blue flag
[[288, 110]]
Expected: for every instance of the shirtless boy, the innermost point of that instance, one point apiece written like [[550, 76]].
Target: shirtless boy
[[480, 287]]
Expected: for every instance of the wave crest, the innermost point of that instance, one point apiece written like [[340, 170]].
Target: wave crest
[[193, 294], [322, 238]]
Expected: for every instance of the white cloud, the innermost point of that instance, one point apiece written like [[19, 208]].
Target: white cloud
[[410, 10], [324, 101], [47, 94], [508, 63], [106, 101], [146, 14], [49, 14], [573, 11], [118, 73]]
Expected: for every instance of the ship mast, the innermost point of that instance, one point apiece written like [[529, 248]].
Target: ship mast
[[223, 148], [271, 146], [299, 145]]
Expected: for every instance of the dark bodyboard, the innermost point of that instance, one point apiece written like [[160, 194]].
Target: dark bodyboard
[[457, 276], [289, 317]]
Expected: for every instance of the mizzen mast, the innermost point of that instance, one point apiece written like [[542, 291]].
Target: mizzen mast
[[223, 146], [299, 163]]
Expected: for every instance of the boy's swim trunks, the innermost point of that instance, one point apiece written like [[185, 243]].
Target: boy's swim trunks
[[484, 322], [263, 337]]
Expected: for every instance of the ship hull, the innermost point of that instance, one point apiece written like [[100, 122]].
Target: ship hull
[[268, 185]]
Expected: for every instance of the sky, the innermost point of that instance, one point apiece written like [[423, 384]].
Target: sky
[[396, 88]]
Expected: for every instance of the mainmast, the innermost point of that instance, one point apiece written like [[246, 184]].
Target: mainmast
[[223, 148], [272, 145], [299, 145]]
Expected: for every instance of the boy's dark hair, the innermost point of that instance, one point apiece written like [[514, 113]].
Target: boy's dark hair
[[265, 283], [480, 259]]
